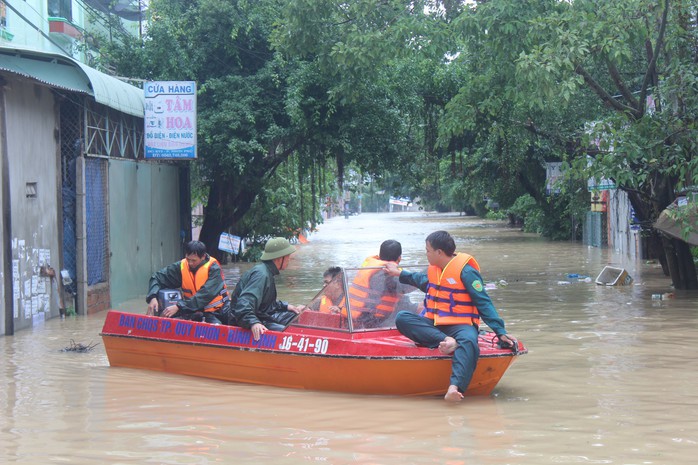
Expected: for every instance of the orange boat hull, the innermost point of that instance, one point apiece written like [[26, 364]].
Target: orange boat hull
[[389, 365]]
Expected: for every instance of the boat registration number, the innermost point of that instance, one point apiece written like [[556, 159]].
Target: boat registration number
[[304, 344]]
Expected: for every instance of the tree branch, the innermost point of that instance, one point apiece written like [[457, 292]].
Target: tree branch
[[618, 81], [652, 66], [605, 96], [571, 146]]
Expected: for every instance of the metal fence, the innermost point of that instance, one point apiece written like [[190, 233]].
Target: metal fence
[[71, 147], [99, 133], [97, 218]]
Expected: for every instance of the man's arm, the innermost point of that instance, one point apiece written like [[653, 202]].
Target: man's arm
[[169, 277], [413, 278], [476, 288], [249, 299]]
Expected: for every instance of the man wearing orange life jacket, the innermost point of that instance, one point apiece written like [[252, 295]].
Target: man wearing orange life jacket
[[332, 299], [455, 302], [200, 277], [373, 295]]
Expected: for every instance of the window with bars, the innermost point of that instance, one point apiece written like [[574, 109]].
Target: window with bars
[[111, 133]]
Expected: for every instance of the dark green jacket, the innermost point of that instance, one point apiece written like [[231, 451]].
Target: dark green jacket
[[254, 298], [170, 277]]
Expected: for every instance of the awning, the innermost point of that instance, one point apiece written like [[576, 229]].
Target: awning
[[66, 73], [674, 219]]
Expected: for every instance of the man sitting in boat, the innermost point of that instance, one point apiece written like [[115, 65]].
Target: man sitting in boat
[[205, 295], [253, 303], [456, 300], [332, 299], [373, 294]]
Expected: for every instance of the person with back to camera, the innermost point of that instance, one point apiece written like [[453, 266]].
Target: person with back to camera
[[454, 303], [253, 303], [205, 295], [374, 295]]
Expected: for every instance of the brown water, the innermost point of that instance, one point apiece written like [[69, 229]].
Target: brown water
[[610, 376]]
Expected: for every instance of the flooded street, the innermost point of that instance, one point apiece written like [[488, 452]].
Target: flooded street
[[610, 377]]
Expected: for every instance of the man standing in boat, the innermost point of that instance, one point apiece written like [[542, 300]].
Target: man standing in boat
[[205, 295], [253, 303], [454, 303]]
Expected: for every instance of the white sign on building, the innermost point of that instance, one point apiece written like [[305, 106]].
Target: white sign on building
[[170, 119]]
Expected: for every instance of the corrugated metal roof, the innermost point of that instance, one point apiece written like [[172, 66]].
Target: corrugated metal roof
[[115, 93], [63, 76], [69, 74]]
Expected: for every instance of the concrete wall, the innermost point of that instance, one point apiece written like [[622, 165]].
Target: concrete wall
[[144, 225], [32, 179], [622, 237]]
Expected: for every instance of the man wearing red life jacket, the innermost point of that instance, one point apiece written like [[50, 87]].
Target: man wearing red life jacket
[[200, 277], [455, 302]]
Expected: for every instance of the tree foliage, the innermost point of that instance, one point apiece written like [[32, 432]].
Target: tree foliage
[[257, 108], [637, 58], [454, 102]]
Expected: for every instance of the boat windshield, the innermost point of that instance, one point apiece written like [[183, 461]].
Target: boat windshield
[[361, 299]]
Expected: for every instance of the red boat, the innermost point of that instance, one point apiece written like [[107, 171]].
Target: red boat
[[318, 351]]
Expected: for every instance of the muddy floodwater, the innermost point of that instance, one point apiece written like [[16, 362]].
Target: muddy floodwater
[[610, 377]]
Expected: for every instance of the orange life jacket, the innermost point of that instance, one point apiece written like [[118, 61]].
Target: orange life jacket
[[447, 301], [326, 303], [364, 299], [192, 282]]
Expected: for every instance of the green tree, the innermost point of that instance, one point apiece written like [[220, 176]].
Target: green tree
[[499, 153], [245, 133], [257, 108], [637, 58]]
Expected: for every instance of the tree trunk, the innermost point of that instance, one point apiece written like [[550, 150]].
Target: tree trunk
[[673, 254], [214, 220], [230, 199], [680, 263]]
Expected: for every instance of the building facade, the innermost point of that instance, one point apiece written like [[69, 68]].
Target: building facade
[[85, 218]]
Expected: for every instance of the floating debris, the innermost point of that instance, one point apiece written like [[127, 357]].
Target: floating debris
[[79, 347]]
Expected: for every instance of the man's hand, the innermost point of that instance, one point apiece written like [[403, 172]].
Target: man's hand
[[152, 307], [506, 341], [392, 269], [297, 309], [257, 330], [170, 311]]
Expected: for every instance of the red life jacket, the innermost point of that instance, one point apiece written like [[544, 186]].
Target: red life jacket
[[192, 282], [447, 301], [364, 299]]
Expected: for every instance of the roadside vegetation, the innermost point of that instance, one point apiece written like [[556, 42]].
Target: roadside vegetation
[[460, 104]]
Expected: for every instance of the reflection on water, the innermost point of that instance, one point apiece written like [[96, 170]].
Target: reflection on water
[[610, 376]]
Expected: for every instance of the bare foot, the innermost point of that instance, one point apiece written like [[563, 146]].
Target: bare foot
[[453, 395], [448, 345]]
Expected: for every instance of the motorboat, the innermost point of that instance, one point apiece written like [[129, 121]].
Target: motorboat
[[340, 350]]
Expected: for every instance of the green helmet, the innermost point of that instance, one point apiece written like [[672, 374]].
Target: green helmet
[[277, 247]]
